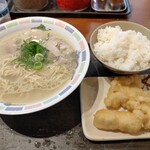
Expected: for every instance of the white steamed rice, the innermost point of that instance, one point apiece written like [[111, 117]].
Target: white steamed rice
[[125, 50]]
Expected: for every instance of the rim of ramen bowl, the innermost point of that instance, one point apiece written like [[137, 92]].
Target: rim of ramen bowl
[[125, 25], [80, 71]]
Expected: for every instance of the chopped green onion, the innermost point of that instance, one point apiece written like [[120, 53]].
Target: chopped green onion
[[40, 27], [39, 57], [38, 65], [33, 55]]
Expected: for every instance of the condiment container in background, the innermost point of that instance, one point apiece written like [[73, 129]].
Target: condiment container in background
[[75, 5], [100, 3], [115, 4], [30, 5], [4, 11]]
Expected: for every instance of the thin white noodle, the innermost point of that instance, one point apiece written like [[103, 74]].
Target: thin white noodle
[[16, 79]]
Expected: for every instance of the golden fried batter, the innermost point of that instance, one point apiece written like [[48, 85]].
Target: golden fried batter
[[125, 92], [113, 120], [124, 89]]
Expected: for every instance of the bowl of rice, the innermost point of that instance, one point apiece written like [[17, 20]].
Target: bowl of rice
[[122, 46]]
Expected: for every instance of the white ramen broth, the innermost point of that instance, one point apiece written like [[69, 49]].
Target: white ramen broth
[[20, 84]]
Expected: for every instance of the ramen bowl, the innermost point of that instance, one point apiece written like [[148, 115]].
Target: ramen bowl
[[125, 26], [69, 34]]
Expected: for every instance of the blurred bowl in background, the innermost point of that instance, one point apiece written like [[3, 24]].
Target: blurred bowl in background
[[30, 5]]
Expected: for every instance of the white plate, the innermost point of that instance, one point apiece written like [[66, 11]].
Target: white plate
[[93, 91]]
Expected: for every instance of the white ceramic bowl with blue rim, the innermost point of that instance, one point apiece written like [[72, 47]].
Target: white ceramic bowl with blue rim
[[68, 32]]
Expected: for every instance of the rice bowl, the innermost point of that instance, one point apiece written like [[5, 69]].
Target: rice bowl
[[123, 47]]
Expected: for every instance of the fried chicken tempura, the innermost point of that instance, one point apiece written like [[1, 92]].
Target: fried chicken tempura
[[132, 81], [113, 120], [125, 92], [124, 89], [146, 110]]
